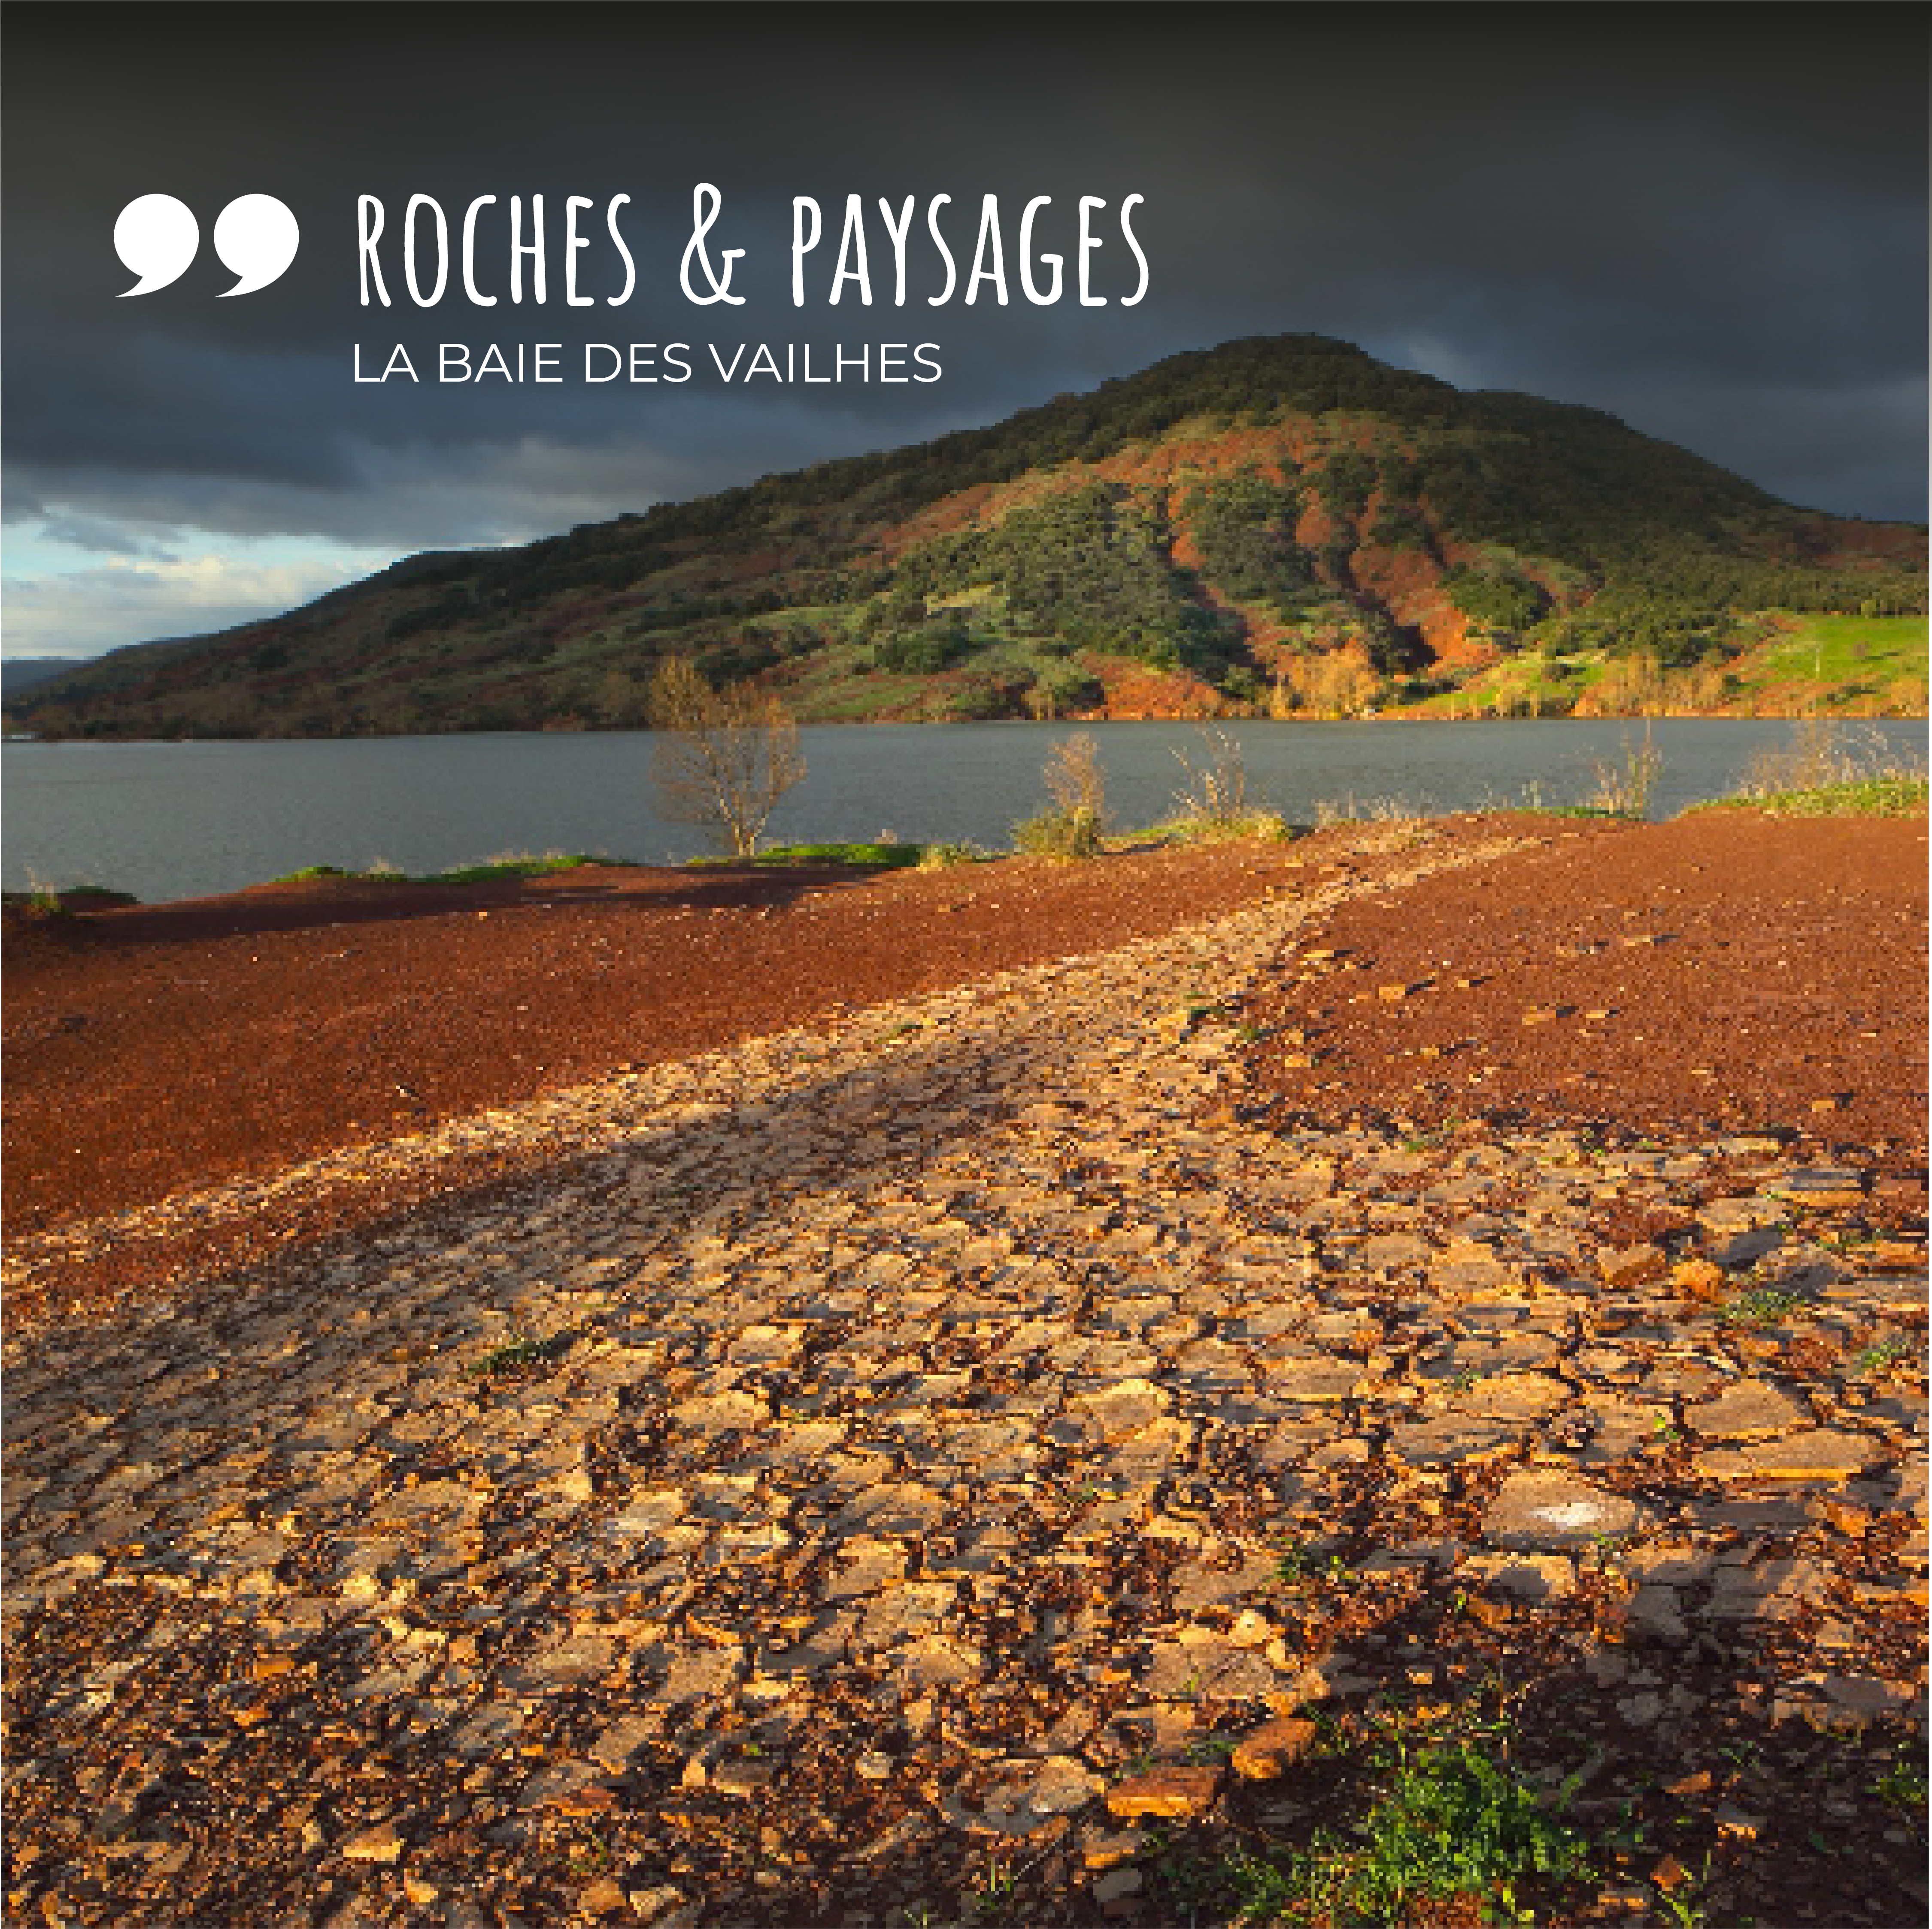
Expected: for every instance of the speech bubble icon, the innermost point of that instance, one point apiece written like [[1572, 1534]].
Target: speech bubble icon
[[256, 237], [156, 237]]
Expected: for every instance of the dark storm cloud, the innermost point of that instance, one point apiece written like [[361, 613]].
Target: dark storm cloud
[[101, 537], [1711, 221]]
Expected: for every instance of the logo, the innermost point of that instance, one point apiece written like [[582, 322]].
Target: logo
[[158, 237]]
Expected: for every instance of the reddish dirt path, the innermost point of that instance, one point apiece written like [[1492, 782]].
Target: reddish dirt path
[[1725, 971], [152, 1049], [155, 1050]]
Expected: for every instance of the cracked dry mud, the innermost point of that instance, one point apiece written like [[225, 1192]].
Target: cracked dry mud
[[893, 1464]]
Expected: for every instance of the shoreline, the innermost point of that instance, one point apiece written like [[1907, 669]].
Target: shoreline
[[660, 965], [162, 1050], [1800, 711]]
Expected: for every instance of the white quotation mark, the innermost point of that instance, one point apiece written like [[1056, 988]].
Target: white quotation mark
[[157, 237]]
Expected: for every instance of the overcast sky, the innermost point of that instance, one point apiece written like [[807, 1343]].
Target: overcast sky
[[1712, 222]]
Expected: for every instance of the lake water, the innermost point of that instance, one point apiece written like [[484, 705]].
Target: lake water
[[180, 820]]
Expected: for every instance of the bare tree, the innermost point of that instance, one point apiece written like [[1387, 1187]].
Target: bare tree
[[723, 759]]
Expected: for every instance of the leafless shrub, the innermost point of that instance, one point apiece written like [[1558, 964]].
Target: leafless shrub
[[722, 759], [1624, 789], [1213, 803], [1074, 778]]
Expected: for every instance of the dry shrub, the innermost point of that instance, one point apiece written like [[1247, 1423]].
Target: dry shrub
[[1075, 781], [1213, 805], [723, 758]]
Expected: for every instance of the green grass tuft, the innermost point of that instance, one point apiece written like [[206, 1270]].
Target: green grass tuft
[[1762, 1305], [1448, 1820], [944, 857], [494, 868], [1269, 826], [1895, 797], [1059, 833], [870, 857], [1457, 1823], [52, 900], [491, 870], [516, 1355]]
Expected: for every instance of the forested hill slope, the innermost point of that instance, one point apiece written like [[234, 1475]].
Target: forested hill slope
[[1278, 525]]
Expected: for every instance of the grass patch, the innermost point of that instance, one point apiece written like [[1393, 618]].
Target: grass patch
[[944, 857], [1829, 769], [1762, 1305], [491, 870], [868, 856], [519, 1354], [1845, 650], [1455, 1822], [1297, 1564], [1624, 788], [1269, 826], [494, 868], [1447, 1821], [1902, 1786], [55, 901], [1072, 825], [1896, 796], [1882, 1357], [1352, 809], [1058, 833]]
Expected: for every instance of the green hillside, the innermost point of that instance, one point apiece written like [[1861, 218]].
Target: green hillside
[[1281, 524]]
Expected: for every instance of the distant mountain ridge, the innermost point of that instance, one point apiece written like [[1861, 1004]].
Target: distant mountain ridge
[[1281, 524], [22, 673]]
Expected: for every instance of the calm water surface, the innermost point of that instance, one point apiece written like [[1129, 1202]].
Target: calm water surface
[[180, 820]]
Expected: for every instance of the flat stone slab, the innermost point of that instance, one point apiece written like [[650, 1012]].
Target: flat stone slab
[[900, 1508], [1172, 1795], [1676, 1564], [938, 1660], [1316, 1380], [1747, 1410], [1197, 1584], [1622, 1268], [904, 1613], [1816, 1454], [1127, 1406], [382, 1843], [1818, 1186], [1540, 1580], [767, 1346], [1620, 1428], [1516, 1397], [1555, 1511], [1449, 1441], [1201, 1666], [1764, 1590], [699, 1674], [722, 1413], [1273, 1748]]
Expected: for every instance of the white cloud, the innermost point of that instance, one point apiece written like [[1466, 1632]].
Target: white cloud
[[81, 612]]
